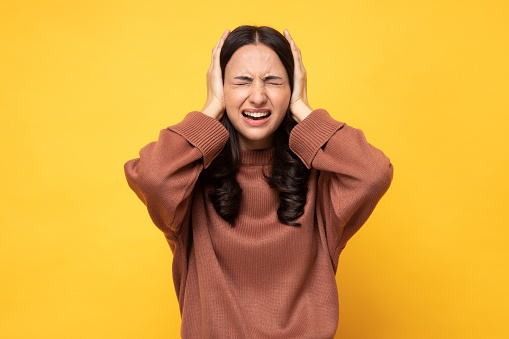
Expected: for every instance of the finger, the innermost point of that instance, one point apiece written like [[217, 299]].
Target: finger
[[219, 44], [288, 36], [217, 48], [221, 41], [293, 45], [225, 35], [297, 56]]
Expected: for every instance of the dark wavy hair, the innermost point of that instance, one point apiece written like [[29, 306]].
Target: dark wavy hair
[[289, 176]]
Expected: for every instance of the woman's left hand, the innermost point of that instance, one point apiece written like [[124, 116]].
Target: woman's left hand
[[299, 105]]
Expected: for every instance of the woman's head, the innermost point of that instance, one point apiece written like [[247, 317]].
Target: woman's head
[[257, 68]]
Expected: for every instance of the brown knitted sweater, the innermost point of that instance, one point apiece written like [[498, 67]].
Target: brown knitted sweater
[[261, 278]]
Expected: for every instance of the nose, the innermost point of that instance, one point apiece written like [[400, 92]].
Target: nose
[[258, 96]]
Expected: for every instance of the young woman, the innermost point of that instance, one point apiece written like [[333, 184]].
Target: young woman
[[257, 196]]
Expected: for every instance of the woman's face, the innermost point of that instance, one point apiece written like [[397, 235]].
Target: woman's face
[[257, 94]]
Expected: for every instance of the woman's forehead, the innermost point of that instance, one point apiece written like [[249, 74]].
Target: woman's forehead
[[255, 60]]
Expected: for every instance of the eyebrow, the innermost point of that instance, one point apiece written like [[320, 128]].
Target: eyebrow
[[272, 77], [244, 77], [267, 78]]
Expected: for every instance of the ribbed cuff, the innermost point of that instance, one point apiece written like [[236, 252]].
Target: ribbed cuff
[[203, 132], [312, 133]]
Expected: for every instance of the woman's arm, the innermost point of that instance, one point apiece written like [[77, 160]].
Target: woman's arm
[[354, 175], [164, 175]]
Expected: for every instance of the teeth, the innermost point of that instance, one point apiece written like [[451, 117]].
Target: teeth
[[256, 114]]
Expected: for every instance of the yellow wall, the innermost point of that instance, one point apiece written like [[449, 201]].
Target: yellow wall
[[85, 84]]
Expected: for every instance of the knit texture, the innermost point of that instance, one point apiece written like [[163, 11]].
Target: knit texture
[[260, 278]]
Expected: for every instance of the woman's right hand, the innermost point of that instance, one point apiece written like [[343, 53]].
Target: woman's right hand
[[215, 104]]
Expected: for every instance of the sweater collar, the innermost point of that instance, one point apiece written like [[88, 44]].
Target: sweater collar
[[258, 157]]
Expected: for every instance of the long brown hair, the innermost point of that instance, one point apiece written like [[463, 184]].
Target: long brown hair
[[289, 176]]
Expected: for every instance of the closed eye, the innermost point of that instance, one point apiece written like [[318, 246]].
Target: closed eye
[[243, 78], [273, 80]]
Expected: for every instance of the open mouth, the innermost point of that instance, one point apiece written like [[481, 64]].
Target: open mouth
[[256, 115]]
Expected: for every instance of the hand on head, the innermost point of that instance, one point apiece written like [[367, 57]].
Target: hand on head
[[299, 105], [215, 105]]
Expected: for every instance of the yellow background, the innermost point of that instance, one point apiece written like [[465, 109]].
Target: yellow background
[[85, 84]]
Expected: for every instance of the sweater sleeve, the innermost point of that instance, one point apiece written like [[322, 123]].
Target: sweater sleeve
[[354, 175], [164, 175]]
